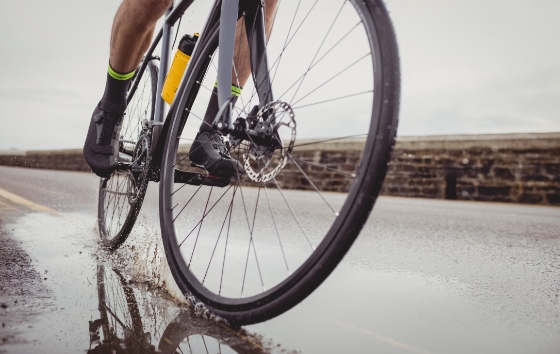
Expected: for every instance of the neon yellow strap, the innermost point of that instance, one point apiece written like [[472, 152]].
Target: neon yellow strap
[[236, 91], [115, 75]]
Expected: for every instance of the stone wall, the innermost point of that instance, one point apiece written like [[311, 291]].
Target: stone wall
[[520, 168], [66, 160]]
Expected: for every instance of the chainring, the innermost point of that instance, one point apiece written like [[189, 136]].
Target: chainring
[[138, 177]]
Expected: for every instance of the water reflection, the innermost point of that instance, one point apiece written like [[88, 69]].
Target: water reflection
[[135, 321]]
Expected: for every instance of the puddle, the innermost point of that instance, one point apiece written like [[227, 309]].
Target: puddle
[[365, 305], [94, 307]]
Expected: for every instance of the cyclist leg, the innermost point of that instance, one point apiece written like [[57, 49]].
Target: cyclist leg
[[131, 34], [214, 156]]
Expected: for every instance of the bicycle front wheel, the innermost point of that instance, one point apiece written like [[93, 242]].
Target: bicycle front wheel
[[253, 248]]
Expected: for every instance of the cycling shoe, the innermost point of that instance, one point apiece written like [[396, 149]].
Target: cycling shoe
[[209, 151], [101, 149]]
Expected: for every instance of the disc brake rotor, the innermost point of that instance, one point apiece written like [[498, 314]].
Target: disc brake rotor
[[261, 164]]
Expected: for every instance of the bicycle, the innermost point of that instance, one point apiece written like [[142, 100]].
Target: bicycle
[[246, 247]]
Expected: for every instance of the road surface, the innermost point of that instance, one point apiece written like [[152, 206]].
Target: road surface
[[425, 276]]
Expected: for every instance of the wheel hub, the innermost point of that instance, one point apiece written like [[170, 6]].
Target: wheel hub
[[263, 162]]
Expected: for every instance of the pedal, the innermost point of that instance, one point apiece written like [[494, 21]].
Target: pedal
[[196, 179], [124, 162], [216, 181], [124, 165]]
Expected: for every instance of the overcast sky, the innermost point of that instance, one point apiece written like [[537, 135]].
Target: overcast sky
[[474, 66]]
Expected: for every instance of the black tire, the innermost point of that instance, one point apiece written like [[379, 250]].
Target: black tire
[[121, 195], [346, 224]]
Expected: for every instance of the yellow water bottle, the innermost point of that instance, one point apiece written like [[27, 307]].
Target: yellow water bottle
[[178, 66]]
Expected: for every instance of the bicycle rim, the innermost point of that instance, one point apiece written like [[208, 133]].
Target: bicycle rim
[[121, 195], [256, 247]]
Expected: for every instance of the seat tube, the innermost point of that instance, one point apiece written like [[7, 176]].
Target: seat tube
[[163, 68], [159, 113]]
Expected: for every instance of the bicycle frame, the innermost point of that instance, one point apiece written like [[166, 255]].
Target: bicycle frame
[[225, 13]]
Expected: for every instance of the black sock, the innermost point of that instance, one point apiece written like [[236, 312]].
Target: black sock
[[214, 107], [114, 97], [211, 112]]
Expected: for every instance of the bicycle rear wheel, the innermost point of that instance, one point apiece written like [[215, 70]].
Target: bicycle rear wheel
[[252, 248], [122, 194]]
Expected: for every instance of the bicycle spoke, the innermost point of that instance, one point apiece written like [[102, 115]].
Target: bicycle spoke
[[204, 344], [333, 99], [353, 175], [276, 228], [198, 189], [295, 32], [328, 140], [205, 215], [124, 200], [313, 185], [200, 227], [225, 247], [109, 201], [317, 52], [220, 234], [250, 239], [115, 316], [329, 80], [138, 101], [189, 344], [293, 214], [116, 204]]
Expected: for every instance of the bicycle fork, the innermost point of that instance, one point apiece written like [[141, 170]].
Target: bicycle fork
[[243, 129]]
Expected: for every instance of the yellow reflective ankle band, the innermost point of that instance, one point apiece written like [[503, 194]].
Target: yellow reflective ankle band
[[115, 75], [235, 90]]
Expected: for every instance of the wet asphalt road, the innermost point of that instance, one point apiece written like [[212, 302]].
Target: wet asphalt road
[[425, 276]]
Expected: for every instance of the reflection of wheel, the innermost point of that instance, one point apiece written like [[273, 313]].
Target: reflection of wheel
[[120, 320], [121, 195], [253, 249], [188, 334], [117, 306]]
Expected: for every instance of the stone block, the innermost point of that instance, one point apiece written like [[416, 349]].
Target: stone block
[[553, 198], [531, 198], [494, 191], [502, 173]]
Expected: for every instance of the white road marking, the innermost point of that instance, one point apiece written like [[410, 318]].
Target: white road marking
[[22, 201]]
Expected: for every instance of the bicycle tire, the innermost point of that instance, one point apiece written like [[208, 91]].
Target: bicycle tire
[[347, 222], [115, 196]]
